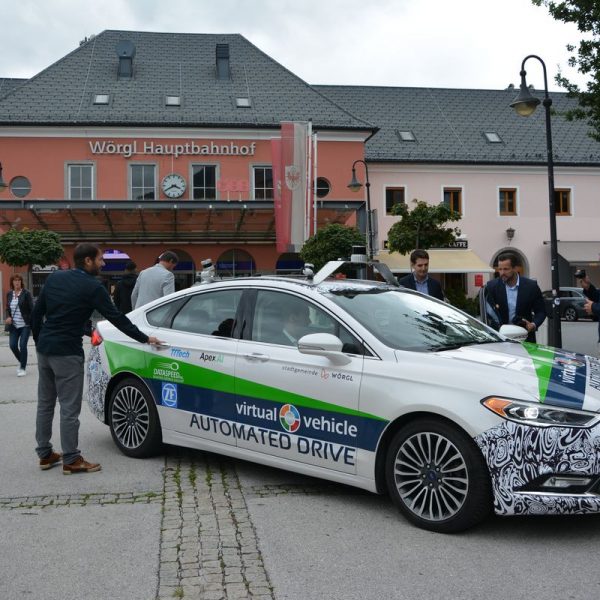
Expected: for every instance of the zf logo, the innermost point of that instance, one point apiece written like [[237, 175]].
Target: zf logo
[[169, 395]]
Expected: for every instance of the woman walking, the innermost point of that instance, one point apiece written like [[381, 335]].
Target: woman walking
[[19, 305]]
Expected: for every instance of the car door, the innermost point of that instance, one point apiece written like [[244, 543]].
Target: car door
[[193, 376], [297, 406]]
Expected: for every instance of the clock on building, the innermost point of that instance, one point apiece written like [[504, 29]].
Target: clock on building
[[173, 185]]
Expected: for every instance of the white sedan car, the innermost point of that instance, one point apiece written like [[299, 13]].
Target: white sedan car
[[361, 383]]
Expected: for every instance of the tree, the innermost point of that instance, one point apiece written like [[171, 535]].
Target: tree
[[422, 227], [30, 246], [330, 243], [586, 15]]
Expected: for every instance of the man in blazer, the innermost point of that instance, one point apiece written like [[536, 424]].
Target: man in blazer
[[155, 282], [419, 279], [516, 300]]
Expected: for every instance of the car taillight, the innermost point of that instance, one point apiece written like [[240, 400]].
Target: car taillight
[[96, 338]]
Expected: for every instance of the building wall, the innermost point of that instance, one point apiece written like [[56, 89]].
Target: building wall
[[484, 227], [42, 155]]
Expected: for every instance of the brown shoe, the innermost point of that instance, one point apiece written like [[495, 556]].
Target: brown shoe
[[50, 461], [80, 466]]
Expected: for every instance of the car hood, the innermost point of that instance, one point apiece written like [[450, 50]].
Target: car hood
[[551, 376]]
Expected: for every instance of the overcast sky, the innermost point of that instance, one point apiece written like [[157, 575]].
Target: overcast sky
[[436, 43]]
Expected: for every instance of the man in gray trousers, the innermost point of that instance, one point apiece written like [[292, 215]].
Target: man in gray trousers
[[66, 302], [156, 281]]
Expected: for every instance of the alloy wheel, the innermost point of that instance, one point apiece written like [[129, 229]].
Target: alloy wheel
[[130, 417], [431, 476]]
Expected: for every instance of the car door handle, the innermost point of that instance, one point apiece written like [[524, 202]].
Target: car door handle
[[163, 346], [256, 357]]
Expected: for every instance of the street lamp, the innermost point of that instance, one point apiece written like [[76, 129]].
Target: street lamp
[[525, 105], [354, 186]]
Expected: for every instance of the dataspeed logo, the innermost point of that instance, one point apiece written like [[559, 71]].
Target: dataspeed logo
[[169, 395], [289, 417], [168, 370]]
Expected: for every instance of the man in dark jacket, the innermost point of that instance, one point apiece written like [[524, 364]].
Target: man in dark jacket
[[123, 289], [419, 279], [516, 299], [67, 301], [592, 304]]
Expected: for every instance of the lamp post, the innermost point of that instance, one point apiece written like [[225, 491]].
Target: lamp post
[[355, 186], [525, 105]]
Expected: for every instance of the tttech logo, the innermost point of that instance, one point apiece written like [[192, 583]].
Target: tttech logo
[[289, 417]]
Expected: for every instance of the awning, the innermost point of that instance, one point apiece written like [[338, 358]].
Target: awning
[[440, 261], [582, 253], [143, 221]]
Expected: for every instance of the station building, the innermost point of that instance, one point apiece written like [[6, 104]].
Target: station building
[[146, 142]]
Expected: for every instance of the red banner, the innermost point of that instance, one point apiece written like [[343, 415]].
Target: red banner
[[290, 174]]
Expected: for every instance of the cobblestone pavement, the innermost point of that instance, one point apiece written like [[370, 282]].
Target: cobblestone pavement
[[209, 548]]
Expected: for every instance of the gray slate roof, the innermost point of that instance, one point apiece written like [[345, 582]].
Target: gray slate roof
[[8, 84], [449, 126], [170, 64]]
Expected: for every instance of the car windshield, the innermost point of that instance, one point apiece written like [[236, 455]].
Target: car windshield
[[408, 321]]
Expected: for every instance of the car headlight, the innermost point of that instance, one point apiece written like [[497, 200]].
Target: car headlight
[[530, 413]]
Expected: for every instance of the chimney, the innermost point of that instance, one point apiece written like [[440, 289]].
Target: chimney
[[126, 53], [223, 72]]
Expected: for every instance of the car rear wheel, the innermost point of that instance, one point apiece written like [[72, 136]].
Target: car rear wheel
[[437, 477], [570, 314], [133, 420]]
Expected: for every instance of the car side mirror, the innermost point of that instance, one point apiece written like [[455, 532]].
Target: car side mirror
[[324, 344], [514, 332]]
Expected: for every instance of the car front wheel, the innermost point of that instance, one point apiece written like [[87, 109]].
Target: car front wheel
[[437, 477], [570, 314], [133, 420]]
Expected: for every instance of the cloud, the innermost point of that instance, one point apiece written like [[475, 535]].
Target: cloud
[[463, 43]]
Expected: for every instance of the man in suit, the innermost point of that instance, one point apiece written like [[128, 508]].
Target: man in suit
[[515, 299], [419, 279], [592, 304], [155, 282]]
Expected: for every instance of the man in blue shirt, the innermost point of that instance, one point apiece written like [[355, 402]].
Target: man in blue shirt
[[59, 320], [419, 279], [516, 299]]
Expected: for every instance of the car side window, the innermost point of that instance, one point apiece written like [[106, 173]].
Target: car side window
[[209, 313], [283, 319], [162, 316]]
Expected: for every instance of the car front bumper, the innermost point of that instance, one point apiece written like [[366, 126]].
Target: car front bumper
[[524, 462]]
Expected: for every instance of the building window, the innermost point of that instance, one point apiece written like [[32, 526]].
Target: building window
[[406, 136], [20, 187], [562, 202], [204, 182], [143, 182], [492, 137], [508, 201], [102, 99], [393, 196], [263, 183], [80, 182], [172, 100], [243, 102], [453, 199], [323, 187]]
